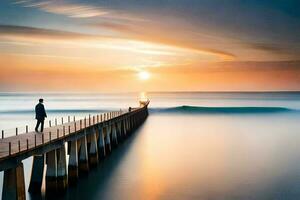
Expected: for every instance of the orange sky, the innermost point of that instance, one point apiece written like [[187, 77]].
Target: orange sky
[[103, 49]]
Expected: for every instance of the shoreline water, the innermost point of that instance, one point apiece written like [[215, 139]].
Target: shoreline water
[[207, 154]]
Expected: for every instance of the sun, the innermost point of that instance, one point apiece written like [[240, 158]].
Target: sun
[[143, 75]]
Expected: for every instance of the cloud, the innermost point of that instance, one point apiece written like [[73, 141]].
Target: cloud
[[270, 47], [134, 44], [252, 66], [31, 32], [261, 65], [76, 40], [118, 27], [76, 10], [146, 32], [233, 67]]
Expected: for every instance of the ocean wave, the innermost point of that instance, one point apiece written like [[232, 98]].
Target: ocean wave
[[222, 110]]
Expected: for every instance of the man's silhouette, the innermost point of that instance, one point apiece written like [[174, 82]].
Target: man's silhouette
[[40, 115]]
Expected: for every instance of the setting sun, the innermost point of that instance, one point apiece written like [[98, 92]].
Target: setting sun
[[143, 75]]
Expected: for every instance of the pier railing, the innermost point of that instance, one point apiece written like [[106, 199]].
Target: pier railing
[[88, 141], [65, 120], [26, 140]]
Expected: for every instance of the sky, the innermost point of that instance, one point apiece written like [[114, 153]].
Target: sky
[[149, 45]]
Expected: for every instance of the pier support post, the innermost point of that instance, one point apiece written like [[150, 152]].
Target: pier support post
[[62, 179], [51, 173], [114, 135], [73, 163], [37, 173], [124, 127], [14, 184], [93, 150], [101, 142], [133, 125], [129, 124], [83, 156], [107, 140], [119, 131]]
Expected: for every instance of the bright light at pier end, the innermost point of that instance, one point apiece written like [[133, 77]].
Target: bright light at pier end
[[143, 75]]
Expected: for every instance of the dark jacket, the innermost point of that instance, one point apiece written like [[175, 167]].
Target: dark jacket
[[40, 112]]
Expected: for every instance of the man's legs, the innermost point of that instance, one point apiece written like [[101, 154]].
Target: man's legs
[[37, 125], [42, 125]]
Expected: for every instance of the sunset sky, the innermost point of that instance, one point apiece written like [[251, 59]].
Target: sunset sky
[[149, 45]]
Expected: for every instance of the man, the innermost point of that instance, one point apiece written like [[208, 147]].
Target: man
[[40, 115]]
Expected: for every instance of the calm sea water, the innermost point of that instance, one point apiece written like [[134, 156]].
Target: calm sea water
[[192, 146]]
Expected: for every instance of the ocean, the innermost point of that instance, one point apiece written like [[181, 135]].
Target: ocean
[[193, 145]]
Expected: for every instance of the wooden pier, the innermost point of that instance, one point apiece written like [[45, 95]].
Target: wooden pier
[[88, 141]]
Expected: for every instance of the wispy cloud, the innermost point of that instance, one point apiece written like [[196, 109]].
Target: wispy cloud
[[114, 26], [233, 67], [71, 39], [138, 31], [275, 48], [56, 38], [289, 65], [76, 10], [32, 32]]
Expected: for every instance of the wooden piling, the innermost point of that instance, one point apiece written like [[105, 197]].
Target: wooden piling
[[51, 173], [93, 149], [101, 142], [62, 179], [9, 148], [37, 172], [73, 163], [83, 156], [107, 140], [114, 135], [14, 183]]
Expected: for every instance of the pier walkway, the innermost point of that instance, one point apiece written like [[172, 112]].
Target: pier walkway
[[86, 141]]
